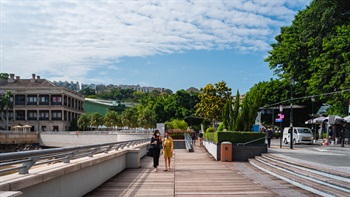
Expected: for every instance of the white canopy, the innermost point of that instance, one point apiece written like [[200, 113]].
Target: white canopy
[[320, 120], [347, 119]]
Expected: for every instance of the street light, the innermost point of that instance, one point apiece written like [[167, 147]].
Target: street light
[[291, 81]]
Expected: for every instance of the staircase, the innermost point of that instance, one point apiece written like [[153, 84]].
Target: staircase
[[318, 180]]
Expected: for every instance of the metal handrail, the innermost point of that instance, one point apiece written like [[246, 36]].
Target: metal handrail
[[238, 144], [37, 157], [188, 142]]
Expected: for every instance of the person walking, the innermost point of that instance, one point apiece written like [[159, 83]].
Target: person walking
[[156, 145], [193, 136], [200, 139], [269, 135], [168, 147]]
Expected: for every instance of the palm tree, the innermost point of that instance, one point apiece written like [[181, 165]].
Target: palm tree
[[6, 103], [111, 119], [96, 119], [84, 121]]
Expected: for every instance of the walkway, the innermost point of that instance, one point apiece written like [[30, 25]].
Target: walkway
[[194, 174]]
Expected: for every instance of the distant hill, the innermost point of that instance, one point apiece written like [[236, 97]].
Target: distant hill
[[192, 89]]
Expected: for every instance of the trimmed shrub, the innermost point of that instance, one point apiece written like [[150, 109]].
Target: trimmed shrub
[[220, 127], [209, 130], [235, 137]]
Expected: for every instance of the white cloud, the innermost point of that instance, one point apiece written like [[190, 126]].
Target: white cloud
[[64, 39]]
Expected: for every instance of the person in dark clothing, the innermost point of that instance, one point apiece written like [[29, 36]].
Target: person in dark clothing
[[269, 135], [156, 145], [193, 136], [342, 135]]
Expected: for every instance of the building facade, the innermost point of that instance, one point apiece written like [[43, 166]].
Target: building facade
[[40, 103]]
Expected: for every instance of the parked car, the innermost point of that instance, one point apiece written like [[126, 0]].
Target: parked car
[[300, 135]]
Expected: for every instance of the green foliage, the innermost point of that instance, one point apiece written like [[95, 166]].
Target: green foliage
[[6, 104], [96, 119], [176, 124], [84, 122], [73, 126], [209, 136], [146, 118], [112, 119], [129, 117], [314, 50], [220, 127], [209, 130], [4, 76], [212, 100], [235, 137]]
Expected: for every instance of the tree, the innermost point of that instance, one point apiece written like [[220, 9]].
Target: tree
[[4, 76], [96, 119], [129, 117], [176, 124], [147, 118], [6, 104], [84, 122], [212, 100], [314, 50], [112, 119], [73, 125]]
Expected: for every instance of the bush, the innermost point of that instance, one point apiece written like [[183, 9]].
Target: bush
[[176, 124], [235, 137], [220, 127], [209, 130]]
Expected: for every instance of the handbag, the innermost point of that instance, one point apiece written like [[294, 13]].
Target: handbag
[[149, 152]]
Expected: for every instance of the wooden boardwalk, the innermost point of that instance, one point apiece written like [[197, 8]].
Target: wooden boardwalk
[[191, 174]]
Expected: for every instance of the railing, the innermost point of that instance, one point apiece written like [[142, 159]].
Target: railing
[[238, 144], [188, 142], [12, 161]]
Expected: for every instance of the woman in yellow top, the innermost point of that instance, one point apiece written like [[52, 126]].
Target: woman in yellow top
[[168, 147]]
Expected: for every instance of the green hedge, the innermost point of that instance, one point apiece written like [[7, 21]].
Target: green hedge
[[235, 137], [177, 135]]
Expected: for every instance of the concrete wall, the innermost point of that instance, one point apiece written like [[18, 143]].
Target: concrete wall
[[239, 153], [72, 139], [76, 178], [212, 148], [14, 137]]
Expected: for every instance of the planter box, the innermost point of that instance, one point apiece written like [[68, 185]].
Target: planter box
[[239, 153]]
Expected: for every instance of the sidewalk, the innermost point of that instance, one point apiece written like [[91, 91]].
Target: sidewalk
[[192, 174]]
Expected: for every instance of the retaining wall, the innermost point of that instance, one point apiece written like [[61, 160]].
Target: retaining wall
[[76, 178]]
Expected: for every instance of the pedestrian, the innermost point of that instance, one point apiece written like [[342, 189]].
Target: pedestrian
[[342, 135], [200, 139], [156, 145], [193, 136], [269, 135], [168, 147]]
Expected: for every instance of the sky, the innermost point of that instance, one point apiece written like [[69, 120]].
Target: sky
[[174, 44]]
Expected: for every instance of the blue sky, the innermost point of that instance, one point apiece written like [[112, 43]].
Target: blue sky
[[172, 44]]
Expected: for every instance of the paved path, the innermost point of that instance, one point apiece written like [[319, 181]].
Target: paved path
[[192, 174]]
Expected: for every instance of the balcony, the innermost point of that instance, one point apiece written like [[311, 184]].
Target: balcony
[[44, 118], [20, 118], [31, 103], [57, 118], [56, 103], [43, 103], [32, 118]]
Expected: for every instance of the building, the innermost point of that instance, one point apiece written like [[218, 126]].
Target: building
[[69, 85], [104, 106], [41, 104]]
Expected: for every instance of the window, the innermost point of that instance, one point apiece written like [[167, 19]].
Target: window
[[32, 99], [56, 99], [56, 115], [44, 115], [32, 115]]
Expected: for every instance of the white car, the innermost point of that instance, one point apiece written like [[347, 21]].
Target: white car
[[300, 135]]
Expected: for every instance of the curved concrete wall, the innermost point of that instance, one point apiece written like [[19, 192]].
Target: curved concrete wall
[[72, 139], [76, 178]]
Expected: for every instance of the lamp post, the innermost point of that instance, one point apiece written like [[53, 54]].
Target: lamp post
[[312, 115], [291, 81]]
